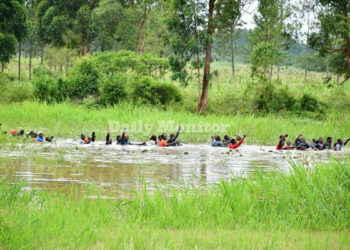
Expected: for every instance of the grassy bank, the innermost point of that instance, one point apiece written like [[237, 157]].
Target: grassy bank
[[310, 208], [68, 121]]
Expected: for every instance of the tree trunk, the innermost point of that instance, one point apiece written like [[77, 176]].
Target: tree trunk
[[271, 70], [347, 51], [338, 77], [278, 71], [30, 62], [199, 79], [2, 67], [232, 54], [141, 29], [42, 54], [305, 74], [83, 45], [19, 61], [204, 96]]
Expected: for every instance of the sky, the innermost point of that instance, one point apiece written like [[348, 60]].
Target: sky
[[247, 17]]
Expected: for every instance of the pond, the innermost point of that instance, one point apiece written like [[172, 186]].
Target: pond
[[120, 170]]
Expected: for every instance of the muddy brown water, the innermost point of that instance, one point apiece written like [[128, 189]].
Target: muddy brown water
[[120, 170]]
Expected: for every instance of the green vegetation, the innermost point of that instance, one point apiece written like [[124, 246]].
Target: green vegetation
[[68, 121], [308, 208]]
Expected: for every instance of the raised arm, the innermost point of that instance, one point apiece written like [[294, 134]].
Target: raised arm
[[123, 135], [346, 142], [108, 136]]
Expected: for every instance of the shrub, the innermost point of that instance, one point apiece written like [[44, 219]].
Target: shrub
[[47, 87], [148, 90], [13, 90], [267, 98], [83, 79], [113, 89], [310, 104]]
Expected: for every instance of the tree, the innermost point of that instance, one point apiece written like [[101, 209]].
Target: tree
[[84, 27], [229, 32], [13, 20], [8, 48], [332, 33], [264, 56], [271, 25], [188, 40]]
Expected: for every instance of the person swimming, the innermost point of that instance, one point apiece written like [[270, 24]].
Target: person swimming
[[14, 132], [164, 142], [227, 141], [87, 140], [49, 139], [319, 144], [281, 142], [173, 137], [39, 138], [339, 145], [124, 140], [300, 143], [153, 140], [108, 139], [234, 144], [328, 143], [216, 141], [288, 146]]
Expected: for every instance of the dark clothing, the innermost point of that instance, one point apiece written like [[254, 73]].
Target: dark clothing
[[123, 141], [226, 143], [327, 145], [108, 139], [173, 142]]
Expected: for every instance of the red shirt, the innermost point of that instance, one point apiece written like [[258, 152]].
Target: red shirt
[[279, 147], [162, 143], [237, 145]]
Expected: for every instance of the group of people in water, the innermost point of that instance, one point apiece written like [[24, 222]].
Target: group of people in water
[[164, 141], [317, 144]]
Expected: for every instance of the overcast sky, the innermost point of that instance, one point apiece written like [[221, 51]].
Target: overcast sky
[[252, 9]]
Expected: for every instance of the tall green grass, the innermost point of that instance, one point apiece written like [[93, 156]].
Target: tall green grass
[[308, 208], [69, 121]]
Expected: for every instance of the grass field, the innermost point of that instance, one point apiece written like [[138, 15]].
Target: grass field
[[307, 209], [69, 121]]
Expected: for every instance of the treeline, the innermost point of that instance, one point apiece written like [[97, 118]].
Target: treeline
[[189, 33]]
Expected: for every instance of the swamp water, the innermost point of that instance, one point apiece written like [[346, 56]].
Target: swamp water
[[119, 170]]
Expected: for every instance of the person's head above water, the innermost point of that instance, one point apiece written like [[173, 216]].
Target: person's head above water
[[329, 139], [164, 136], [153, 138], [126, 138], [217, 138], [320, 140], [227, 138], [82, 136], [118, 138], [289, 143], [340, 141], [233, 141], [40, 134]]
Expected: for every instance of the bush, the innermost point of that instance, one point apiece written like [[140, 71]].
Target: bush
[[83, 79], [267, 98], [14, 91], [310, 104], [148, 90], [113, 89], [47, 87]]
